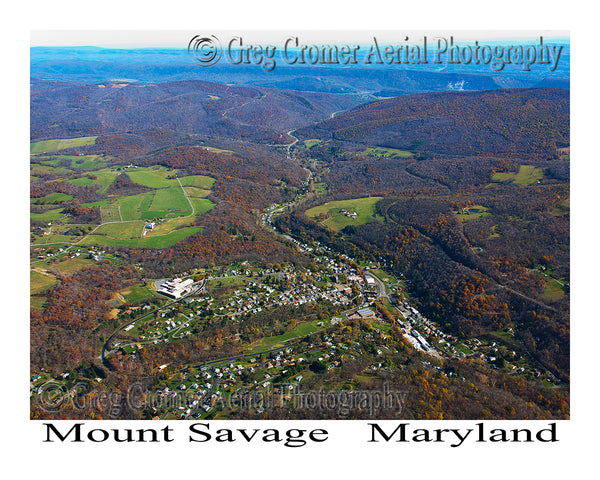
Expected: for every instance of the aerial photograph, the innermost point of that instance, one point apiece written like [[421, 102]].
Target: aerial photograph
[[280, 225]]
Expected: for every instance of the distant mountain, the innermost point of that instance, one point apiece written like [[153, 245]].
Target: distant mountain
[[511, 122], [69, 109], [159, 65]]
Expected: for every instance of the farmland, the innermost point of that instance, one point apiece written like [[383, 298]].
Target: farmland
[[123, 216], [526, 175], [60, 144], [332, 214]]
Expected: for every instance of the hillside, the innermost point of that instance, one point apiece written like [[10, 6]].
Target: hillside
[[68, 109], [512, 122]]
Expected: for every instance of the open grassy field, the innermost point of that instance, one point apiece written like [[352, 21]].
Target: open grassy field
[[153, 177], [473, 212], [137, 293], [201, 205], [72, 265], [48, 216], [526, 175], [166, 200], [387, 152], [553, 291], [125, 230], [199, 181], [110, 213], [52, 198], [148, 241], [364, 207], [39, 282], [60, 144], [49, 170], [267, 343], [170, 199], [75, 162], [196, 192], [320, 188], [311, 142], [104, 177], [561, 208]]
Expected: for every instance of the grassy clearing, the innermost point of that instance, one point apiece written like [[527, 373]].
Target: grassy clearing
[[387, 152], [48, 216], [110, 213], [60, 144], [474, 212], [561, 208], [39, 282], [76, 162], [170, 200], [104, 177], [527, 175], [162, 241], [72, 265], [383, 276], [37, 301], [196, 192], [125, 230], [49, 170], [201, 205], [320, 188], [311, 142], [553, 291], [330, 214], [153, 177], [169, 226], [301, 330], [137, 293], [199, 181], [52, 198]]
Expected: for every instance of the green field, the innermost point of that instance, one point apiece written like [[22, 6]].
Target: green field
[[162, 241], [201, 205], [39, 282], [76, 162], [123, 231], [137, 293], [196, 192], [153, 177], [60, 144], [467, 213], [49, 170], [165, 201], [526, 175], [199, 181], [301, 330], [311, 142], [110, 213], [364, 207], [170, 200], [561, 208], [52, 198], [72, 265], [48, 216], [387, 152], [104, 177], [320, 188]]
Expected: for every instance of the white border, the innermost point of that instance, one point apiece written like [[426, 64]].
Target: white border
[[350, 455]]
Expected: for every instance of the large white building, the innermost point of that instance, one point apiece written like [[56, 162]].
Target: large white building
[[175, 288]]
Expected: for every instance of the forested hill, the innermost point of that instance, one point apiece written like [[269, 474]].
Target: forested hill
[[70, 109], [512, 122]]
